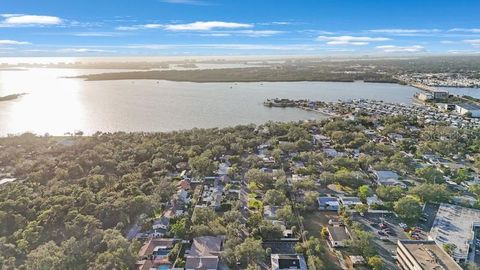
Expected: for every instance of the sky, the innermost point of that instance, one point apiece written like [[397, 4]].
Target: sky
[[238, 27]]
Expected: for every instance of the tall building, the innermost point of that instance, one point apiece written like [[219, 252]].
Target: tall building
[[420, 255]]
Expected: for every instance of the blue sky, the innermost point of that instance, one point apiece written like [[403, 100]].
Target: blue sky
[[238, 27]]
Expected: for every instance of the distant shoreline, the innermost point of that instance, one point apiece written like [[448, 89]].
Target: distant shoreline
[[11, 97], [237, 75]]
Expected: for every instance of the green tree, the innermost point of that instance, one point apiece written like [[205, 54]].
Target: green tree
[[390, 193], [201, 165], [286, 215], [274, 197], [408, 208], [250, 252], [178, 229], [449, 248], [361, 208], [375, 262], [431, 193], [364, 192], [430, 175], [46, 256]]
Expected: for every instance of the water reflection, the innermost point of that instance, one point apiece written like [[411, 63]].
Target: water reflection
[[56, 105]]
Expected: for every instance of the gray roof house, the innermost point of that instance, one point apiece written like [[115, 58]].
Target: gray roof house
[[204, 253]]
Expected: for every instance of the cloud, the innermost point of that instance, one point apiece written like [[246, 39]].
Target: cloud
[[271, 47], [98, 34], [404, 32], [186, 2], [400, 49], [463, 52], [84, 50], [13, 20], [13, 42], [473, 42], [350, 40], [195, 26], [257, 33], [206, 26], [469, 30]]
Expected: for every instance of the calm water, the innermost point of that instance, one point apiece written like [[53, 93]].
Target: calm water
[[56, 105], [473, 92]]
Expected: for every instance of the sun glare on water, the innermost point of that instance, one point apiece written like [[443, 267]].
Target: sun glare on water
[[51, 105]]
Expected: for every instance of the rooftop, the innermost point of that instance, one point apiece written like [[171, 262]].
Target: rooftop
[[385, 175], [429, 255], [288, 261], [338, 233], [469, 106], [453, 224]]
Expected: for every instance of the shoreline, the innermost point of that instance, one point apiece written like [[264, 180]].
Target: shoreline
[[11, 97]]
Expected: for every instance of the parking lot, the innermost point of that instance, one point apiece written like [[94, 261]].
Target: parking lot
[[477, 246], [387, 232]]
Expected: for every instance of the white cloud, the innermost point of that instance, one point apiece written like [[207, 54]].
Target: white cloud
[[152, 26], [350, 40], [473, 42], [463, 52], [470, 30], [13, 42], [246, 33], [84, 50], [206, 26], [400, 49], [127, 28], [397, 31], [257, 33], [195, 26], [12, 20], [97, 34], [273, 47]]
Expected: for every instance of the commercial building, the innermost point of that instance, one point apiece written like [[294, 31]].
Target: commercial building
[[419, 255], [456, 225], [468, 108], [439, 94]]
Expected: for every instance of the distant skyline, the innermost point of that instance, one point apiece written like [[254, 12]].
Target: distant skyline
[[233, 27]]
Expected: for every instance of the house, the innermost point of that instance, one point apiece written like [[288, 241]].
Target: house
[[288, 261], [349, 202], [154, 254], [161, 226], [330, 152], [385, 175], [204, 253], [183, 184], [328, 204], [337, 236], [388, 178], [183, 196], [374, 200], [270, 212], [318, 138], [223, 169]]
